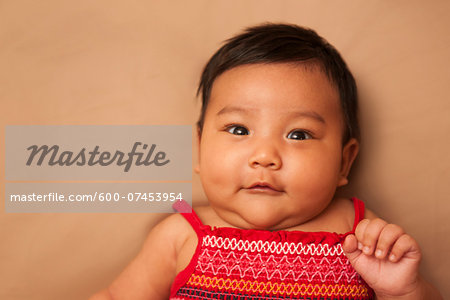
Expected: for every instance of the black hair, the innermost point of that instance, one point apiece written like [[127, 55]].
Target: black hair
[[284, 43]]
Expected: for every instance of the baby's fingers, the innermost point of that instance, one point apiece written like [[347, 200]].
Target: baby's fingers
[[388, 237], [367, 233], [405, 244]]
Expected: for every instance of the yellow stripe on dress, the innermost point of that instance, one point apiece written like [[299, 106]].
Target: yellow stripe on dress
[[278, 288]]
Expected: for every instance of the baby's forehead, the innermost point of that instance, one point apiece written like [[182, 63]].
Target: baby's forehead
[[284, 89], [296, 81]]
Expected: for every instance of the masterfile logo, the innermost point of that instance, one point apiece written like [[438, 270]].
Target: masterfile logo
[[91, 158], [71, 152]]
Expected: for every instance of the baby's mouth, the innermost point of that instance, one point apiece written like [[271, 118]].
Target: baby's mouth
[[263, 187]]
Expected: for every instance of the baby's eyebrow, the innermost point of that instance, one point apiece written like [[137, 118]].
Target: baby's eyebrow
[[234, 109], [308, 114]]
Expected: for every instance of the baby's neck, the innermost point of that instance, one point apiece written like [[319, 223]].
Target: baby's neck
[[337, 217]]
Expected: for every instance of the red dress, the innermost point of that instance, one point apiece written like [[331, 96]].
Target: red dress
[[238, 264]]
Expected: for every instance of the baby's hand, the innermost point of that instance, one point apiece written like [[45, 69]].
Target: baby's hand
[[385, 257]]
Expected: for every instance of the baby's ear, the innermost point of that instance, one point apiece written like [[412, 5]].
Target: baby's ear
[[349, 153]]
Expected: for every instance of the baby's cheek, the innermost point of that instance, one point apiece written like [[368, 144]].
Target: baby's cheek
[[314, 180], [217, 176]]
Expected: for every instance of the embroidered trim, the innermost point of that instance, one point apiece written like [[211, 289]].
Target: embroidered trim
[[295, 289], [271, 247], [272, 267]]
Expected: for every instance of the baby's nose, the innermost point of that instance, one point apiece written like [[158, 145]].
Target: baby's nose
[[266, 156]]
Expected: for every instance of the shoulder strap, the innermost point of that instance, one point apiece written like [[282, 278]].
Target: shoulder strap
[[359, 211], [189, 214]]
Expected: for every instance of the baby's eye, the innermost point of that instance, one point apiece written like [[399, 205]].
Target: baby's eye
[[237, 130], [299, 135]]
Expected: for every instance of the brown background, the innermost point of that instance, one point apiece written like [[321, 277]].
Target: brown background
[[138, 62]]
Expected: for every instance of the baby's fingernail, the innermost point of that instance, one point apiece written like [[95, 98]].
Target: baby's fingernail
[[378, 253], [360, 246], [392, 257], [366, 250]]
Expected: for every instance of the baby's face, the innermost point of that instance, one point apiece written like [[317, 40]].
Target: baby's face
[[271, 153]]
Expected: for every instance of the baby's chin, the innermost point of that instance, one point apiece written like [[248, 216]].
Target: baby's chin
[[260, 218]]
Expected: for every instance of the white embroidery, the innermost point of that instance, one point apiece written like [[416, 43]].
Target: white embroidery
[[272, 247]]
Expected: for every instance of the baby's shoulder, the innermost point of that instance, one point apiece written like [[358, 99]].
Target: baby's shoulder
[[174, 229], [177, 227], [344, 209], [338, 216], [341, 213]]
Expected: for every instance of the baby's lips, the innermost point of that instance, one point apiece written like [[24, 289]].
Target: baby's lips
[[262, 185]]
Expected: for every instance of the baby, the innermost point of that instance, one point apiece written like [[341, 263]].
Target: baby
[[278, 133]]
